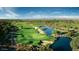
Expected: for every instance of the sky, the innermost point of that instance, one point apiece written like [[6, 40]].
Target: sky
[[38, 12]]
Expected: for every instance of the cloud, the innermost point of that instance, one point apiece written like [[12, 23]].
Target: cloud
[[40, 15], [1, 9], [11, 13], [50, 17], [8, 13], [56, 12]]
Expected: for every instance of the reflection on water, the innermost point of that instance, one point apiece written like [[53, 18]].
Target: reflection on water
[[47, 30], [62, 44]]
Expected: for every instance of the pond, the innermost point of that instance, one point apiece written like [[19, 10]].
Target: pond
[[62, 44], [47, 30]]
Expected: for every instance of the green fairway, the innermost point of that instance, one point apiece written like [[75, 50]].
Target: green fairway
[[27, 33]]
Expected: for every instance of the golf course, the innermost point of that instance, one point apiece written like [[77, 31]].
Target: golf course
[[37, 35]]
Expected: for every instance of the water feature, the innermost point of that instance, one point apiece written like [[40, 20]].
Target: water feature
[[47, 30], [61, 44]]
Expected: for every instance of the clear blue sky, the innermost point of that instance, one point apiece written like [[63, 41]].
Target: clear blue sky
[[37, 12]]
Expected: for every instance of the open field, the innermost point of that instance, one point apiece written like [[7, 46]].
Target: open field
[[27, 36]]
